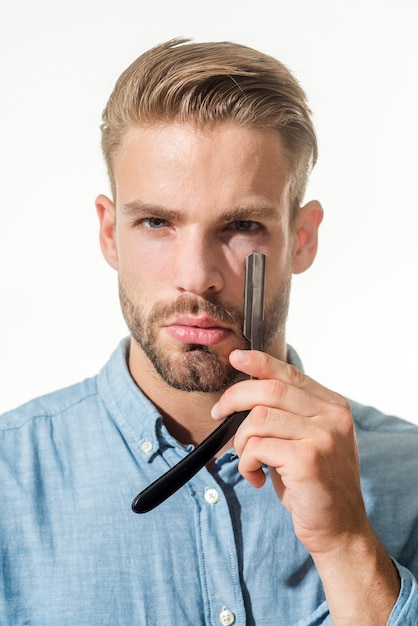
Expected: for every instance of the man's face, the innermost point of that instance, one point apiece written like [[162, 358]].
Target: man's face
[[191, 204]]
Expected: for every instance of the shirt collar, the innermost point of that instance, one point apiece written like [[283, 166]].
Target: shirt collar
[[293, 358]]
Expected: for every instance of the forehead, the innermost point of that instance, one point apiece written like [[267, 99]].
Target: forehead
[[225, 163]]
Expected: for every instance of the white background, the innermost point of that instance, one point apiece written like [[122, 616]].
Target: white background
[[354, 315]]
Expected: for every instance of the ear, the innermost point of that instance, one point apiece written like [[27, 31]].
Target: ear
[[107, 217], [307, 224]]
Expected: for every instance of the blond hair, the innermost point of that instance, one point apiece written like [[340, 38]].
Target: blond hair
[[207, 83]]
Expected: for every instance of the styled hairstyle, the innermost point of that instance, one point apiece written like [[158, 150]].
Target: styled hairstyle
[[208, 83]]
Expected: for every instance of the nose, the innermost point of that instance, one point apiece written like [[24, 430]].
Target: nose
[[198, 266]]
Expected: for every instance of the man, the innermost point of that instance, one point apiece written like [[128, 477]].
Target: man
[[208, 148]]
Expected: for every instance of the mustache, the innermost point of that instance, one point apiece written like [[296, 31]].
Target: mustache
[[189, 305]]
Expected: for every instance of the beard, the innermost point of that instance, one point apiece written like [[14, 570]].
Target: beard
[[195, 367]]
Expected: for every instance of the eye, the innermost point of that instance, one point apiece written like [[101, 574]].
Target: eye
[[154, 222], [245, 225], [148, 224]]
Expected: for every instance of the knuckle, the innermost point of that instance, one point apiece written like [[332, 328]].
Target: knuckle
[[344, 403], [258, 416], [310, 458], [278, 388], [252, 445], [327, 442], [344, 419], [330, 435], [263, 359], [294, 375]]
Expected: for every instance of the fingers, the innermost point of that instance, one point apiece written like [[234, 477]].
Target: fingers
[[250, 465], [263, 366], [282, 440], [277, 385]]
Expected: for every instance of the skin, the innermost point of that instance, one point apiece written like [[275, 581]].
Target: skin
[[190, 205]]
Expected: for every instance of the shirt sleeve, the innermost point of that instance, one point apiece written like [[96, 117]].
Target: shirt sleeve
[[405, 611]]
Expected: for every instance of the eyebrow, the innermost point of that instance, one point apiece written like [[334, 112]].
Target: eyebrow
[[137, 209], [235, 214]]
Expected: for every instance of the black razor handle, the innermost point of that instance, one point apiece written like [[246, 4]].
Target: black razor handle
[[184, 470]]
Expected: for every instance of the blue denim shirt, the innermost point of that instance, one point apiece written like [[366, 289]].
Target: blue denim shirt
[[216, 552]]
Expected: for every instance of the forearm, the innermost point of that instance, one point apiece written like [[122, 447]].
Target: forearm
[[361, 582]]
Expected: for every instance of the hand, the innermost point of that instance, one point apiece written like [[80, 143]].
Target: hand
[[305, 434]]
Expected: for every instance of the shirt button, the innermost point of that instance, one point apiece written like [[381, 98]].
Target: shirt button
[[211, 495], [146, 446], [226, 617]]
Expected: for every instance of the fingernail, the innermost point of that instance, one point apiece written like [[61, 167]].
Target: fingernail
[[240, 356], [215, 411]]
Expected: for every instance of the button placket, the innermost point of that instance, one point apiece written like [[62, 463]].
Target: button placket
[[218, 550]]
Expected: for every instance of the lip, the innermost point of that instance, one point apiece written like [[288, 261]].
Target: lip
[[201, 330]]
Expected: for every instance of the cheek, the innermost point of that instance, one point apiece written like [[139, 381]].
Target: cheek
[[279, 267], [147, 277], [142, 260]]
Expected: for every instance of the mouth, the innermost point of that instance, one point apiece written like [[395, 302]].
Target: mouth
[[202, 330]]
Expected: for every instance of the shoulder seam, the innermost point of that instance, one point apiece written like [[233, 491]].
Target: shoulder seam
[[50, 414]]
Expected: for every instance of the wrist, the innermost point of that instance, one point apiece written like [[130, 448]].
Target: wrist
[[360, 580]]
